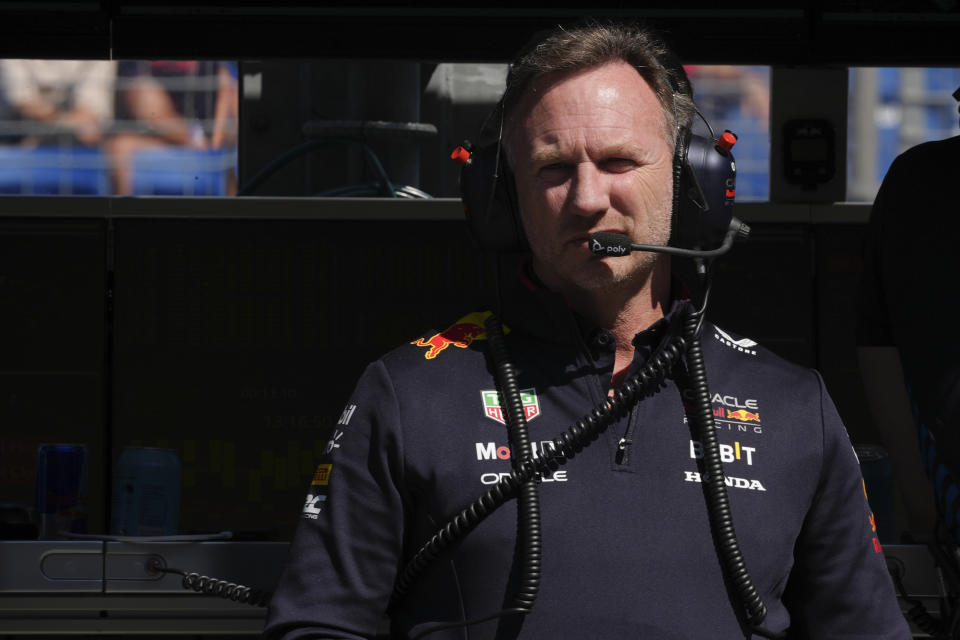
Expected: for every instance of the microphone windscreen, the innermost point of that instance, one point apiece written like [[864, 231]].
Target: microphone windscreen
[[605, 243]]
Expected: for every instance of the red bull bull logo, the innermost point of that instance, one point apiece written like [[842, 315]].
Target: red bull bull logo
[[877, 547], [743, 415], [460, 334]]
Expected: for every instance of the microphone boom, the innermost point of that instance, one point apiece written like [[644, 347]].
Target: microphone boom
[[605, 243]]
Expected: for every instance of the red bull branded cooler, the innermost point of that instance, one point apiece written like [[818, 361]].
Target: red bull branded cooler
[[61, 490]]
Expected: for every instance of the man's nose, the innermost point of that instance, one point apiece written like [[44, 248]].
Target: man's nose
[[588, 190]]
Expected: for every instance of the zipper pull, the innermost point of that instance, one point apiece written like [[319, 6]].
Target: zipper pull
[[623, 453]]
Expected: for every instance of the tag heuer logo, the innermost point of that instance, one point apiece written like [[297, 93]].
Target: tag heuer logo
[[493, 410]]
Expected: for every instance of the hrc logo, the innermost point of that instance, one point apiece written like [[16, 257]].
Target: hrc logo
[[322, 475]]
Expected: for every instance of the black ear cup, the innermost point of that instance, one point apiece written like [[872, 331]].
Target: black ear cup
[[490, 200], [705, 193]]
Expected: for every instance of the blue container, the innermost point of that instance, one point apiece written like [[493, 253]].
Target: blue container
[[53, 171], [173, 171], [146, 493], [61, 490]]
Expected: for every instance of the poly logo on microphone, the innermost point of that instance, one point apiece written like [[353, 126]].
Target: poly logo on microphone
[[610, 249], [604, 243]]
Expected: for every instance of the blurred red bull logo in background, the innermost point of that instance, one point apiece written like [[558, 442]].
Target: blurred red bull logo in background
[[743, 415], [460, 334]]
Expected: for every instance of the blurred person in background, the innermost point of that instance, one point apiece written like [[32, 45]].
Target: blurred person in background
[[911, 375], [226, 109], [727, 92], [57, 102], [186, 103]]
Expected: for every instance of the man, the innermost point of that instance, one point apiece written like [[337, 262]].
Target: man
[[74, 97], [912, 222], [590, 125], [174, 117]]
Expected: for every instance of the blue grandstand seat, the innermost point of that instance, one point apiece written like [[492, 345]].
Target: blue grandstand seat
[[888, 148], [942, 80], [888, 84], [53, 171], [174, 171], [940, 114]]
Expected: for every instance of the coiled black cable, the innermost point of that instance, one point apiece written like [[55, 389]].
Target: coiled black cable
[[917, 613], [718, 503], [215, 587], [647, 381], [945, 555], [529, 537]]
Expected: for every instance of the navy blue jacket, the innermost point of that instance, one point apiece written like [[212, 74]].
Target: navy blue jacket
[[627, 549]]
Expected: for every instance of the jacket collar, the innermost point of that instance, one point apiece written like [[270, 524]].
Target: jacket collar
[[528, 306]]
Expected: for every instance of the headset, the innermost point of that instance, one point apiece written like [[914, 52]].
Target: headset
[[704, 188]]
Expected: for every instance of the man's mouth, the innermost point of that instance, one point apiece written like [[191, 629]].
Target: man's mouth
[[583, 242]]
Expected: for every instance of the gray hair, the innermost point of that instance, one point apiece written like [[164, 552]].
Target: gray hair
[[594, 44]]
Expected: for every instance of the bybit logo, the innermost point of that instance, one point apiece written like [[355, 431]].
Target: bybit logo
[[728, 453]]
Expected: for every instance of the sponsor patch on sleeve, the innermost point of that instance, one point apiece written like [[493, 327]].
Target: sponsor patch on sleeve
[[322, 475]]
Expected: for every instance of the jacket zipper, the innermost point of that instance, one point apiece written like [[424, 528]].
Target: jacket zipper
[[623, 446], [622, 455]]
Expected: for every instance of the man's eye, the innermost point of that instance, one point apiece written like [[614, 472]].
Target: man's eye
[[554, 171], [618, 164]]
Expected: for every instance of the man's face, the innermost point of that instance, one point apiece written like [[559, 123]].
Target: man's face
[[590, 153]]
